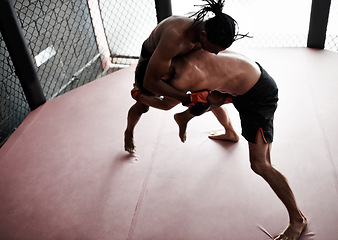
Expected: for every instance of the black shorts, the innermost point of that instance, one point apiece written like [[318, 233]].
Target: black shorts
[[257, 107], [141, 68]]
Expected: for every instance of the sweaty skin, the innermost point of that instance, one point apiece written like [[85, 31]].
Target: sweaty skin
[[232, 73]]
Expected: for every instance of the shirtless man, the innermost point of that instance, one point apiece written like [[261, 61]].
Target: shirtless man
[[255, 95], [176, 36]]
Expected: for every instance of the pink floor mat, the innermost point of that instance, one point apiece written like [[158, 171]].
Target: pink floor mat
[[65, 175]]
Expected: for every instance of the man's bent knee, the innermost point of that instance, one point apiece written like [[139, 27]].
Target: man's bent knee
[[140, 108], [260, 168]]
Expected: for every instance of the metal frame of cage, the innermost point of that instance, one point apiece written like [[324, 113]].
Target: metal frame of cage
[[22, 61]]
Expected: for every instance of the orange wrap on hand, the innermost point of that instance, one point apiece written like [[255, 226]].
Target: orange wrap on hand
[[196, 97]]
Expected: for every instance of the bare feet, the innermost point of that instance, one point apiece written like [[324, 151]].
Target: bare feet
[[129, 142], [293, 231], [228, 136], [182, 122]]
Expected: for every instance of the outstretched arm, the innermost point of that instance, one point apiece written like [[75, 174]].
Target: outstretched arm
[[162, 103]]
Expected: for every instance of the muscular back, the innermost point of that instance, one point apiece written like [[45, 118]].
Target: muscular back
[[173, 28], [227, 72], [173, 37]]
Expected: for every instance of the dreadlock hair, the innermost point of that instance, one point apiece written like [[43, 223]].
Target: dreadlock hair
[[222, 29]]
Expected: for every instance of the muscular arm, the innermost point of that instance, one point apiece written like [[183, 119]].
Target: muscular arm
[[168, 47]]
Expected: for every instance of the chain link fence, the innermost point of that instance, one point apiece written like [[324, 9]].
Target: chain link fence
[[270, 23], [127, 24], [331, 42], [68, 43], [13, 106], [60, 38], [74, 42]]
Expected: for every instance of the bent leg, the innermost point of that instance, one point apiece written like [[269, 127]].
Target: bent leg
[[182, 120], [216, 100], [223, 117], [261, 164], [134, 115]]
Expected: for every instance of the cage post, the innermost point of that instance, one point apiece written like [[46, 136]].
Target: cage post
[[21, 58], [100, 35], [320, 10], [163, 9]]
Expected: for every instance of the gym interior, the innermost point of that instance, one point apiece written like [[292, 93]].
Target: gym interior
[[67, 68]]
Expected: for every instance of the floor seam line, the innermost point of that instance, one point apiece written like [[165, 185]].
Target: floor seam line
[[143, 191]]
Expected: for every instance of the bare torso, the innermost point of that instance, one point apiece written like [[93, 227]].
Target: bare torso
[[227, 72], [179, 27], [175, 36]]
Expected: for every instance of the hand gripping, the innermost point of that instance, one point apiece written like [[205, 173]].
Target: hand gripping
[[196, 97], [199, 102], [199, 108]]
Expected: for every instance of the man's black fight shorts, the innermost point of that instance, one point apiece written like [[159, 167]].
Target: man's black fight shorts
[[141, 68], [257, 107]]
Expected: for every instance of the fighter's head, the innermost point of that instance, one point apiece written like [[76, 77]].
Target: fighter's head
[[220, 30]]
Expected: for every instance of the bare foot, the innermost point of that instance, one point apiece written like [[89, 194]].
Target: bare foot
[[129, 142], [182, 125], [293, 231], [228, 136]]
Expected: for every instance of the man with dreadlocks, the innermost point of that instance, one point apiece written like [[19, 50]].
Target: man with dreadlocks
[[176, 36], [254, 93]]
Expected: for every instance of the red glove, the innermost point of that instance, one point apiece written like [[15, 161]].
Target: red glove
[[136, 93], [198, 97]]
